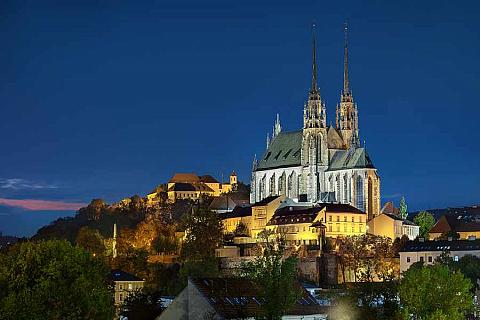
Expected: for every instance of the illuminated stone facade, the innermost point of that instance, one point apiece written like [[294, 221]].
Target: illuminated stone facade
[[319, 163]]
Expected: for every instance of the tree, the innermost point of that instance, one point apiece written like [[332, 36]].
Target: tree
[[204, 232], [435, 292], [403, 208], [425, 221], [241, 230], [91, 240], [275, 274], [53, 280], [142, 306]]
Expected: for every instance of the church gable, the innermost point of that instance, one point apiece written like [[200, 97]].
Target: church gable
[[333, 139], [284, 151]]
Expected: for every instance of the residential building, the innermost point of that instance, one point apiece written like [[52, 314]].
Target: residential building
[[319, 160], [466, 225], [303, 223], [392, 226], [232, 298], [427, 251], [227, 202], [262, 212], [125, 285], [240, 214]]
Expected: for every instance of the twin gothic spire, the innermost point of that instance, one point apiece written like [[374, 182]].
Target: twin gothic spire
[[346, 82]]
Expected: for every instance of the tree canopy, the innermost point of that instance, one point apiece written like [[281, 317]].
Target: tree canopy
[[403, 208], [53, 280], [425, 221], [435, 292], [275, 274]]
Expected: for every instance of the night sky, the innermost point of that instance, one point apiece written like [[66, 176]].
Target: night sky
[[106, 99]]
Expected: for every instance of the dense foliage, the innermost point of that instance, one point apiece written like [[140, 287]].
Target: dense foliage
[[53, 280], [142, 306], [435, 292], [276, 275], [425, 221]]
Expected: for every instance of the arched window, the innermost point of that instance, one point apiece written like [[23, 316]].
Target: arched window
[[291, 185], [346, 194], [337, 192], [370, 198], [281, 184], [359, 193], [272, 185]]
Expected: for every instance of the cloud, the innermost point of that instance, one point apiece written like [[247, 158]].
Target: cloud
[[19, 184], [42, 205]]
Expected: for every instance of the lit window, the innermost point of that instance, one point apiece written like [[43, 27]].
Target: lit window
[[455, 258], [130, 286]]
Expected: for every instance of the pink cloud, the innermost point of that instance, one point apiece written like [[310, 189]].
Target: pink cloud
[[30, 204]]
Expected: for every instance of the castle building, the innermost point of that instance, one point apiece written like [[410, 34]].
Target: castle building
[[192, 186], [319, 163]]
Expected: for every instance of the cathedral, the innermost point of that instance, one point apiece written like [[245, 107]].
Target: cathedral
[[319, 163]]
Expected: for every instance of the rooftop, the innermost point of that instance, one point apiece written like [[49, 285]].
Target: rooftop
[[235, 298], [119, 275], [441, 245]]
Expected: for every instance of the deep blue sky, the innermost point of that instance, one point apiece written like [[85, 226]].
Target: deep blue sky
[[110, 98]]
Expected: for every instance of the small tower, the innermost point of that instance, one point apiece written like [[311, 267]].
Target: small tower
[[346, 112], [233, 179], [277, 127]]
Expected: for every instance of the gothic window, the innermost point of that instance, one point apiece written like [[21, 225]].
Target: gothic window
[[281, 184], [359, 193], [346, 195], [311, 151], [337, 192], [370, 198], [291, 185], [272, 185]]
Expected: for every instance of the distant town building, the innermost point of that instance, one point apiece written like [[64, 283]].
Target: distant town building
[[240, 214], [232, 298], [192, 186], [320, 162], [465, 224], [392, 226], [125, 285], [262, 212], [427, 251], [227, 202]]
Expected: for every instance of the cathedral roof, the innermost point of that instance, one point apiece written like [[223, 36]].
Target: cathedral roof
[[350, 159], [334, 139], [283, 151]]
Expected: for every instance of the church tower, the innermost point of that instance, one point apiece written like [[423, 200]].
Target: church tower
[[347, 113], [314, 151]]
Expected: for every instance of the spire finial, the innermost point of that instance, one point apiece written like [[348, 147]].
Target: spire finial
[[314, 87], [346, 83]]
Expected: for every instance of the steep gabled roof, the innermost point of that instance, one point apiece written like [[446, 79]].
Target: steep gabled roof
[[237, 212], [457, 223], [334, 139], [265, 201], [185, 178], [346, 159], [208, 179], [284, 151]]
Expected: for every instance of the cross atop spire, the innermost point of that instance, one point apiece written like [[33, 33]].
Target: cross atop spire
[[346, 83], [314, 87]]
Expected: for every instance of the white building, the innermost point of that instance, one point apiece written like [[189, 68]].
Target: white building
[[428, 251]]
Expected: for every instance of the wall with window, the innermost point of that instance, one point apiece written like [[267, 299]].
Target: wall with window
[[428, 257]]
